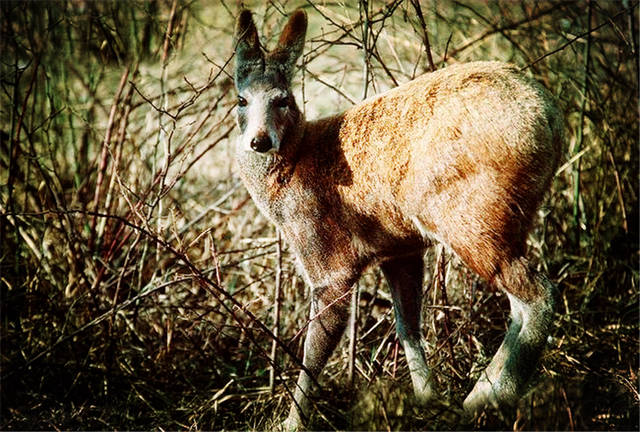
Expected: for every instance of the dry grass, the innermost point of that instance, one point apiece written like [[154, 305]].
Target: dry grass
[[137, 276]]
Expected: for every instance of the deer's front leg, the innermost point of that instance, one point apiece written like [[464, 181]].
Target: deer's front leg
[[329, 312]]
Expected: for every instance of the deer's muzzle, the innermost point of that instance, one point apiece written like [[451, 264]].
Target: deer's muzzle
[[261, 143]]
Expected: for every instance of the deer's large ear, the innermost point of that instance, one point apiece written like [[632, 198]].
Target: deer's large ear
[[291, 43], [247, 46]]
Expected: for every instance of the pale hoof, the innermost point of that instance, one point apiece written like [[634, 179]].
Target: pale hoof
[[483, 395], [427, 394], [487, 394], [291, 424], [424, 386]]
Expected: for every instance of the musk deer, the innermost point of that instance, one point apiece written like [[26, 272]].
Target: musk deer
[[462, 156]]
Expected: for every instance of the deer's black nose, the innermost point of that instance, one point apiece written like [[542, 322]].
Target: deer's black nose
[[261, 143]]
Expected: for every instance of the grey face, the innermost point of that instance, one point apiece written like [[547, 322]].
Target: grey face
[[267, 113]]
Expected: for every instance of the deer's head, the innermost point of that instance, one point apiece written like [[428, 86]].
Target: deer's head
[[267, 113]]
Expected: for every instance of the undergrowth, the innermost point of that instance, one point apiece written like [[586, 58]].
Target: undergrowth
[[137, 277]]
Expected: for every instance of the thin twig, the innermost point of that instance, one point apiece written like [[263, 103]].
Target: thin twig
[[105, 147], [619, 189], [425, 34], [580, 132], [353, 333], [276, 311]]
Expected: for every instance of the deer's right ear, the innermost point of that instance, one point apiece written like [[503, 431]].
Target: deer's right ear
[[247, 46]]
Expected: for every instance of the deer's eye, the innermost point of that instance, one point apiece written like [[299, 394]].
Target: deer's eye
[[281, 102], [242, 101]]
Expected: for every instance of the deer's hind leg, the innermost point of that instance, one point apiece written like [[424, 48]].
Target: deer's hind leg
[[404, 276], [531, 296]]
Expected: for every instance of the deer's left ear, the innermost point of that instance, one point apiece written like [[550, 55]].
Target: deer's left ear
[[291, 42]]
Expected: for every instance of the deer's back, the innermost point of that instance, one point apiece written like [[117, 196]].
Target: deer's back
[[466, 152]]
